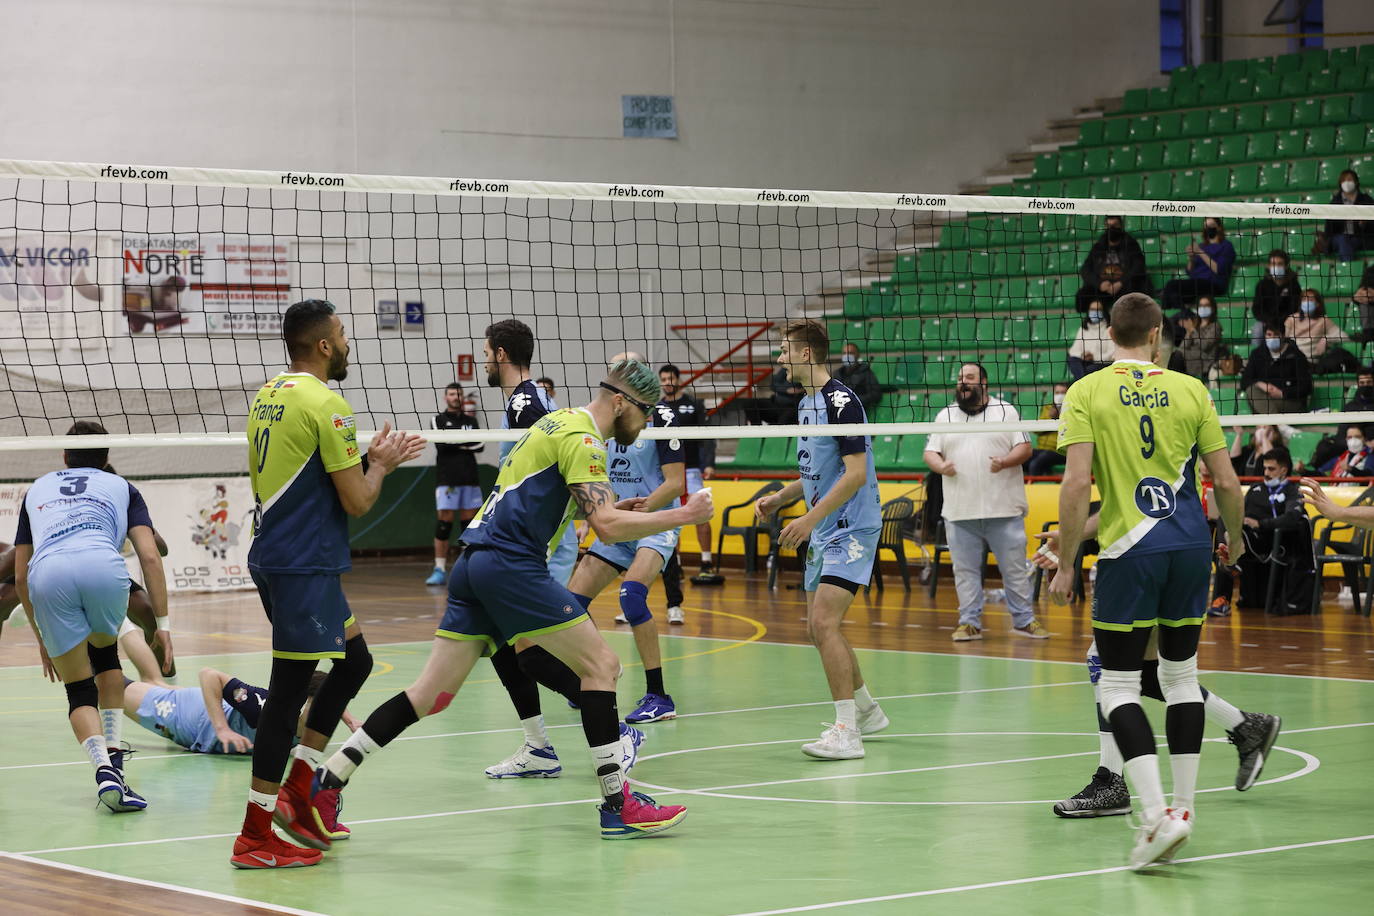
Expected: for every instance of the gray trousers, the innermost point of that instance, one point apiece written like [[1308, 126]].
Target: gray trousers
[[969, 541]]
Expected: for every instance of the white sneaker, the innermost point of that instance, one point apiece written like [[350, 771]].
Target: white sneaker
[[675, 616], [837, 742], [872, 721], [620, 618], [1158, 842], [529, 762]]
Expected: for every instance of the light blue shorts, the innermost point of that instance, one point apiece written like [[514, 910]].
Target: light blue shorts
[[77, 594], [457, 498], [623, 554], [848, 558], [564, 557]]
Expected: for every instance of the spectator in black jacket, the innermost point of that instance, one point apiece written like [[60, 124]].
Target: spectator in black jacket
[[787, 394], [1347, 236], [1278, 378], [1364, 397], [1364, 301], [1277, 295], [858, 375], [1115, 266], [1274, 519]]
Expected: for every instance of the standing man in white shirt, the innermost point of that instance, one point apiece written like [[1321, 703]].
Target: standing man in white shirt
[[985, 503]]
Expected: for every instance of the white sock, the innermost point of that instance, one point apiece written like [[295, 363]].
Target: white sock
[[1108, 754], [863, 699], [356, 749], [845, 713], [706, 556], [1143, 775], [606, 761], [265, 801], [1184, 767], [440, 564], [535, 735], [95, 748], [312, 757], [112, 722], [1219, 712]]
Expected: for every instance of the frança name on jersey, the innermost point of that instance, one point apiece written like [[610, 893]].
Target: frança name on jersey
[[1148, 427]]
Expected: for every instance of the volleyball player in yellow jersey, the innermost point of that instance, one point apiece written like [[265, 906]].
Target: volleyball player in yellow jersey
[[307, 479], [1140, 431]]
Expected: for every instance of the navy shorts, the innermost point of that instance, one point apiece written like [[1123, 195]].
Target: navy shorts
[[496, 598], [1169, 588], [308, 612]]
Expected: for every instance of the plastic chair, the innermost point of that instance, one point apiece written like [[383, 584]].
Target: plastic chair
[[896, 515], [750, 532], [1355, 556]]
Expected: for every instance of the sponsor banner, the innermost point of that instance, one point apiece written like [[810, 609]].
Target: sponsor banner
[[648, 116], [206, 284], [46, 280], [394, 184], [207, 523]]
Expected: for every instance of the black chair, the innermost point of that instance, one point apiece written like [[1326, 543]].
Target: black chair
[[896, 515], [1078, 589], [941, 545], [1356, 557], [775, 526], [750, 532]]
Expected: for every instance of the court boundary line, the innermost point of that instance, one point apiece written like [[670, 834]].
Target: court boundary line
[[144, 882], [1037, 879]]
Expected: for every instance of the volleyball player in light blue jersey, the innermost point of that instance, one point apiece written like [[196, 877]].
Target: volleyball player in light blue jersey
[[69, 574], [842, 523]]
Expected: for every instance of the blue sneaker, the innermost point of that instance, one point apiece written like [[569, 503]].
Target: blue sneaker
[[529, 762], [119, 755], [437, 577], [639, 815], [653, 707], [114, 794], [630, 740]]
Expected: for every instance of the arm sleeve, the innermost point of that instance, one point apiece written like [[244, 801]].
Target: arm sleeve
[[138, 509], [24, 533], [582, 458], [851, 410], [338, 435], [1075, 424]]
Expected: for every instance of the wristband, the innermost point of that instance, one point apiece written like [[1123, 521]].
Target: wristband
[[165, 624]]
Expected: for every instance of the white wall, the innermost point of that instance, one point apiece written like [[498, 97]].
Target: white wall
[[1246, 17]]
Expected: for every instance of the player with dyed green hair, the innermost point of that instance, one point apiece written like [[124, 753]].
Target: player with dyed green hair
[[1140, 430]]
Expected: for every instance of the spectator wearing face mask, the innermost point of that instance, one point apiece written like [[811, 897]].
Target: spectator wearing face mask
[[1347, 236], [1364, 301], [1276, 296], [1364, 396], [1201, 344], [1045, 457], [1092, 346], [1356, 461], [1278, 378], [1318, 337], [1115, 266], [859, 377], [1209, 268], [1247, 457], [1274, 517]]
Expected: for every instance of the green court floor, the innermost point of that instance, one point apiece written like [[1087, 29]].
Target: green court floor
[[951, 809]]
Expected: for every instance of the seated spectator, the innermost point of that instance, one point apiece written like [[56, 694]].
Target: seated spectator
[[1364, 396], [1356, 461], [1344, 237], [858, 375], [1318, 337], [1201, 344], [1276, 296], [1045, 457], [1364, 301], [1247, 457], [1115, 266], [1228, 369], [1092, 346], [787, 394], [1278, 378], [1209, 268]]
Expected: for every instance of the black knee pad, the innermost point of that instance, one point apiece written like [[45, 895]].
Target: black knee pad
[[1149, 680], [357, 661], [82, 693], [443, 530], [103, 659]]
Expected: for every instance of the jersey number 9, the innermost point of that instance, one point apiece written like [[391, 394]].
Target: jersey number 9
[[1147, 436]]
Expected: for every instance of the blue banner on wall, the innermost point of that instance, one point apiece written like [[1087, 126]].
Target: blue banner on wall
[[648, 116]]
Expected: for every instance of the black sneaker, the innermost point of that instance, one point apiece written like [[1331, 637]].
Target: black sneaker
[[119, 755], [1104, 796], [1253, 738]]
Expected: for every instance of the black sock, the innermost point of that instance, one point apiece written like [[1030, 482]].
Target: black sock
[[601, 725], [1183, 726], [390, 719], [653, 680], [1132, 731], [543, 666], [524, 692]]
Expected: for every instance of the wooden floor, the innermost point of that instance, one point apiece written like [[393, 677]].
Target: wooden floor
[[388, 598]]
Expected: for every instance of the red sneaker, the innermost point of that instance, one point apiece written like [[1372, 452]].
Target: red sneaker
[[294, 813], [271, 851], [638, 816], [327, 804]]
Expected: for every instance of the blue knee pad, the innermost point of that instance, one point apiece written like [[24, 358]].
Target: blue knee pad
[[634, 603]]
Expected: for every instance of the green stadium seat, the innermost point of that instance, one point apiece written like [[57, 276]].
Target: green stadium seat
[[909, 303], [1050, 330], [1322, 82], [1077, 187], [1321, 141], [1064, 259], [1266, 86], [1274, 177], [1097, 161], [1206, 151], [1329, 170], [1130, 187], [1187, 185], [778, 452], [1169, 125], [1365, 58], [1136, 100], [1104, 187], [911, 456], [1049, 371], [1021, 369], [1293, 84], [1290, 143], [882, 335], [1250, 118], [1235, 324], [885, 452], [935, 333], [1213, 92], [1352, 79], [964, 332], [1215, 181], [1122, 158], [1233, 148], [905, 265], [1160, 99], [1013, 294], [1240, 90], [1017, 330], [1040, 291], [1314, 60], [1177, 154], [1307, 112], [987, 330], [1141, 128], [1262, 145], [1047, 189], [883, 370], [1286, 63], [1090, 133], [1342, 58], [1335, 109], [1070, 163], [1362, 107], [1116, 131], [1220, 121], [854, 304], [1194, 123], [747, 453], [908, 372], [1278, 115], [938, 373], [1186, 96], [1158, 185], [1027, 262], [1046, 166], [1150, 156], [1303, 174]]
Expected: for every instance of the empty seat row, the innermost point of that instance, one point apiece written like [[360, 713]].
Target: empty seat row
[[1307, 112]]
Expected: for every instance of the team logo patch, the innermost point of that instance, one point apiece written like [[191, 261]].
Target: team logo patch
[[856, 550], [342, 423], [1155, 498], [674, 444], [518, 402], [838, 399], [1138, 377], [593, 442], [285, 383], [567, 609], [666, 415]]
